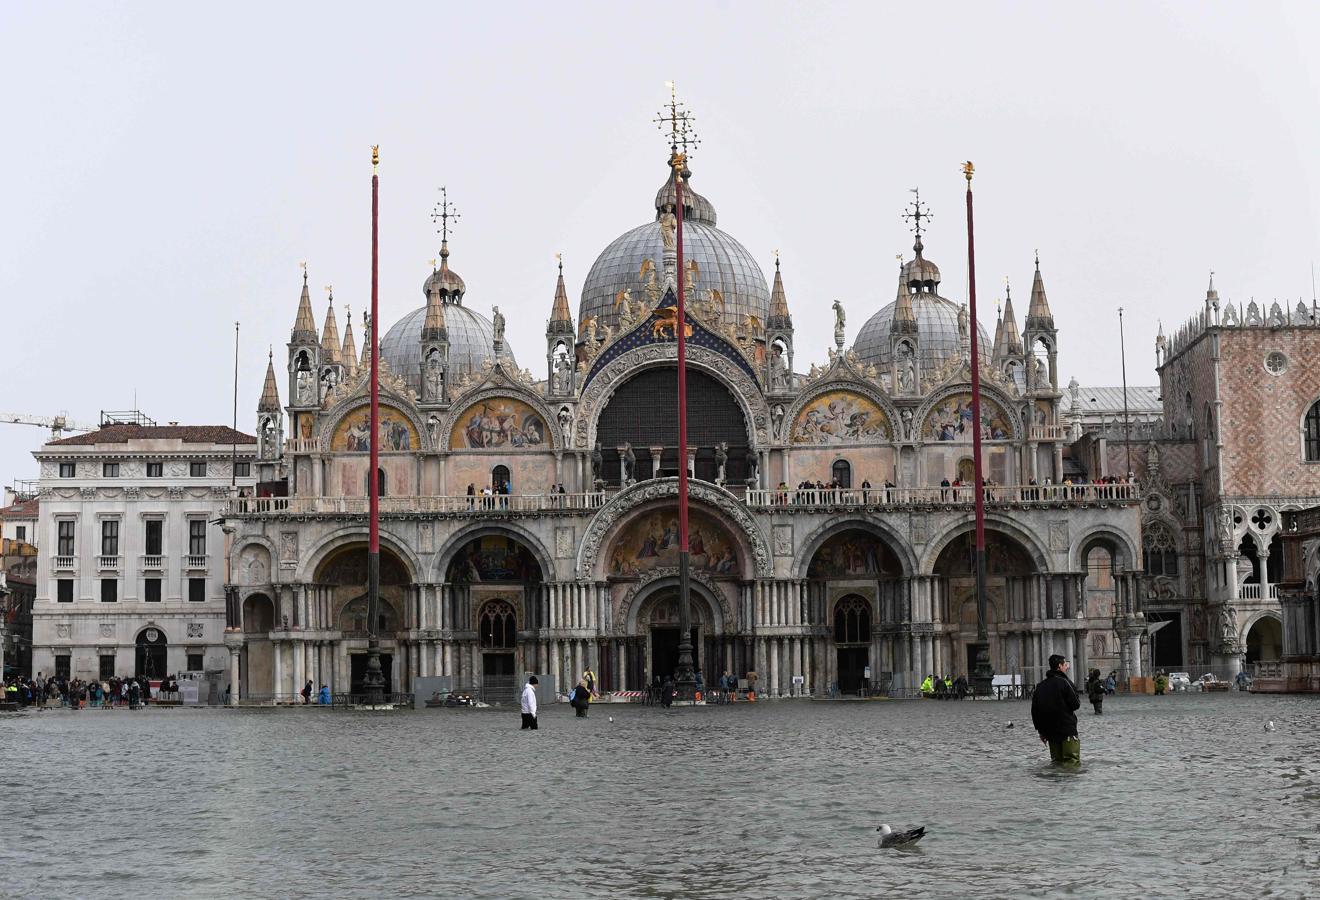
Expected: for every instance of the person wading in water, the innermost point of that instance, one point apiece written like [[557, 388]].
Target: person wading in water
[[1053, 713]]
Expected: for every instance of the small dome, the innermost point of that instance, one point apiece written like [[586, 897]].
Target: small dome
[[920, 274], [937, 323], [471, 337], [450, 284], [724, 264]]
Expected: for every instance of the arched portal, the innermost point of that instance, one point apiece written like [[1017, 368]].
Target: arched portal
[[344, 573], [1009, 568], [658, 624], [257, 660], [642, 412], [151, 653], [854, 580], [1265, 640]]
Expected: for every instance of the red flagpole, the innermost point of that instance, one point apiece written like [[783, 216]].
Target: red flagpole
[[983, 675], [685, 681], [373, 682]]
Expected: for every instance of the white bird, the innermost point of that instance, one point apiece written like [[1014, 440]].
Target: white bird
[[1009, 725], [889, 838], [1269, 726], [611, 718]]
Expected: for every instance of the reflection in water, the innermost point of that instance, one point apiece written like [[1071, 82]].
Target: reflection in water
[[720, 802]]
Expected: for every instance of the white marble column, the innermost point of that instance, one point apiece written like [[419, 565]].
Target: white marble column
[[233, 675], [277, 689]]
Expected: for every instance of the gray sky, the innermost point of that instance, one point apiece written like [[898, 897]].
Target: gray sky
[[166, 168]]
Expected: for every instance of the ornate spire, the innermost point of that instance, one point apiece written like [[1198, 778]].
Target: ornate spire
[[349, 358], [433, 329], [561, 320], [779, 315], [1012, 340], [330, 333], [1038, 313], [451, 285], [1211, 295], [999, 334], [905, 318], [304, 324], [270, 392]]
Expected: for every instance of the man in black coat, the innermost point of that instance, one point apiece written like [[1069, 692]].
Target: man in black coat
[[1053, 713]]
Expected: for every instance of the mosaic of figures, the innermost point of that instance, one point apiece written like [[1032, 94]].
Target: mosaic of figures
[[951, 420], [353, 434], [499, 422], [651, 542], [494, 558], [853, 553], [839, 417]]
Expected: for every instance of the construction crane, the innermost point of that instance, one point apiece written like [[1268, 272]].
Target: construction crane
[[57, 424]]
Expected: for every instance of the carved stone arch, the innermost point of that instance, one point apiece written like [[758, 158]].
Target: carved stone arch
[[606, 521], [869, 391], [659, 579], [1037, 549], [999, 397], [329, 421], [444, 558], [896, 542], [1097, 533], [241, 570], [355, 534], [151, 624], [1252, 619], [555, 440], [746, 392]]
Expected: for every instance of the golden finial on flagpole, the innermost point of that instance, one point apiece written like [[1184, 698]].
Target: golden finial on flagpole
[[967, 170], [375, 157]]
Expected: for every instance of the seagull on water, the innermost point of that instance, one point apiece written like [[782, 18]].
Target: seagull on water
[[889, 838], [1269, 726]]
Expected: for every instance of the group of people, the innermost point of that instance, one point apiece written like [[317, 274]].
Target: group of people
[[942, 687], [810, 492], [489, 497], [75, 693], [322, 694]]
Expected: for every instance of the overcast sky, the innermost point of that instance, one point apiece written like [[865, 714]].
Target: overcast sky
[[167, 166]]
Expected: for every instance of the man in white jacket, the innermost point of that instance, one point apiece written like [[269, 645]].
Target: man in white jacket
[[529, 703]]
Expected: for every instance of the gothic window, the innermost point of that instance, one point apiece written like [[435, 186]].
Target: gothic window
[[841, 473], [852, 621], [1276, 363], [1159, 551], [1311, 434], [499, 626]]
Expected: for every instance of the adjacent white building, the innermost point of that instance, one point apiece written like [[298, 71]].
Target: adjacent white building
[[131, 568]]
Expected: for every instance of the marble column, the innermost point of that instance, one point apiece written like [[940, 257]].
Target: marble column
[[277, 689], [233, 674], [772, 650]]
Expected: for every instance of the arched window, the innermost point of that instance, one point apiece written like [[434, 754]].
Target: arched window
[[1159, 550], [852, 621], [499, 626], [380, 483], [841, 473], [499, 477], [1311, 434]]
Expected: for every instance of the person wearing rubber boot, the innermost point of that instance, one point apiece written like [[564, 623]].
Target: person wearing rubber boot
[[1054, 713]]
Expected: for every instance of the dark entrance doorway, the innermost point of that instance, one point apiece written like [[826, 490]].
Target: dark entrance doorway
[[497, 680], [151, 646], [852, 669], [664, 651], [1166, 644], [358, 663]]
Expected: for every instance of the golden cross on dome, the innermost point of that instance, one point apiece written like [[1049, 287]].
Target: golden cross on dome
[[444, 211], [678, 120]]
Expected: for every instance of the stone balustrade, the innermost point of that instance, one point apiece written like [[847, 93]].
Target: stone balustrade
[[456, 505], [995, 495]]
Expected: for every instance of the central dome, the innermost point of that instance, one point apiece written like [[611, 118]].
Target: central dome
[[723, 264]]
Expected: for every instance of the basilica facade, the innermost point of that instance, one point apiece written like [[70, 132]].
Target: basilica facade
[[529, 521]]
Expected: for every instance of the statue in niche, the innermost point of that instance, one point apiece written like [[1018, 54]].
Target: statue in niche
[[329, 379], [906, 417], [433, 426], [268, 435], [435, 376], [963, 324], [597, 460], [721, 460], [907, 370], [306, 388], [777, 414], [668, 229], [629, 462]]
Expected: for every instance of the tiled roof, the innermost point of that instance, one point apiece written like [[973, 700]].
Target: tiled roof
[[24, 509], [189, 434], [1140, 399]]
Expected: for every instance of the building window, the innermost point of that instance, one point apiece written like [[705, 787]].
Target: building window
[[109, 590], [197, 469], [20, 533], [499, 626], [155, 469], [242, 469], [68, 470], [852, 621], [841, 473], [107, 666], [64, 531], [64, 590], [1160, 553], [196, 590], [62, 668], [1276, 363], [110, 470], [155, 529], [195, 662], [151, 590], [196, 537], [1312, 434], [110, 537]]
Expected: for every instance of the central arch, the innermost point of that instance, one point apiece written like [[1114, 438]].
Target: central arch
[[343, 573], [651, 616]]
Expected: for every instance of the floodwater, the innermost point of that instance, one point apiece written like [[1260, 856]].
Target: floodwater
[[1178, 796]]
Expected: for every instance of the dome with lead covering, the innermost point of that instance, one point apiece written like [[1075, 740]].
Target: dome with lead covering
[[722, 264]]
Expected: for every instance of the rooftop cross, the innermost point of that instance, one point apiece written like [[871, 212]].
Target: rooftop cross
[[675, 117], [918, 212], [444, 211]]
